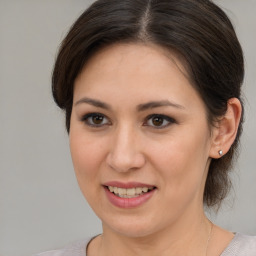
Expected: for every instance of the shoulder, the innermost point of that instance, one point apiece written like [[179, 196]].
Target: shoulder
[[241, 245], [75, 249]]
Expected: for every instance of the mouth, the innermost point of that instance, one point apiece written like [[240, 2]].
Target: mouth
[[129, 192]]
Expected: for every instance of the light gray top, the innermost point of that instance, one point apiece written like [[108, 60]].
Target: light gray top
[[241, 245]]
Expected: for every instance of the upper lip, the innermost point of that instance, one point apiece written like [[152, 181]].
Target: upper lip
[[132, 184]]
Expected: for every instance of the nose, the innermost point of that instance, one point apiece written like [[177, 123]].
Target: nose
[[125, 154]]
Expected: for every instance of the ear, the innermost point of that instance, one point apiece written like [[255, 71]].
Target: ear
[[224, 134]]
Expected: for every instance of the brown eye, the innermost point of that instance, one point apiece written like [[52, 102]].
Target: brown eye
[[95, 119], [159, 121]]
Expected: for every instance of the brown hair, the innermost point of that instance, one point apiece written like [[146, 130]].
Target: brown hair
[[197, 30]]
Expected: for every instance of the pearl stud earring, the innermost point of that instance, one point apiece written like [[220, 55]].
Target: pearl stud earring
[[220, 152]]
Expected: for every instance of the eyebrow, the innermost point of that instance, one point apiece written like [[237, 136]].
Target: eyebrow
[[93, 102], [140, 107], [157, 104]]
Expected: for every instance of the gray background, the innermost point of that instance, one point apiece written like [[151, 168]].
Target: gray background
[[41, 206]]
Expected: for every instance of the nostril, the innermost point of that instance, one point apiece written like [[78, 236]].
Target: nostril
[[123, 162]]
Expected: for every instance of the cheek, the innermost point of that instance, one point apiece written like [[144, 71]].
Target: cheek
[[182, 161], [87, 155], [87, 158]]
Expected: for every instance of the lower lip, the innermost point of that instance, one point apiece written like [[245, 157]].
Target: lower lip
[[128, 202]]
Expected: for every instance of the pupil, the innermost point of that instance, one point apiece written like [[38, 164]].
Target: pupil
[[157, 121], [97, 119]]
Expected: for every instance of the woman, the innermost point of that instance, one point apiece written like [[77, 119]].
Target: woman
[[151, 92]]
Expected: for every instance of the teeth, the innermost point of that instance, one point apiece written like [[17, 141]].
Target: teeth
[[121, 191], [129, 192], [145, 190], [139, 191]]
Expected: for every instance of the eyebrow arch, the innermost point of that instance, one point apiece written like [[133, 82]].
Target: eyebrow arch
[[156, 104], [93, 102]]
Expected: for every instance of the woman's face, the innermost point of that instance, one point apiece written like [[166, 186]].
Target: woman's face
[[139, 139]]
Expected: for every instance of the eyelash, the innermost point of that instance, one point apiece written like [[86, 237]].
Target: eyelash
[[88, 119], [166, 120]]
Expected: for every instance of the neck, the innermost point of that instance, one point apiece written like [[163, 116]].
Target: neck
[[185, 237]]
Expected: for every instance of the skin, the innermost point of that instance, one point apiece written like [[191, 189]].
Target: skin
[[127, 146]]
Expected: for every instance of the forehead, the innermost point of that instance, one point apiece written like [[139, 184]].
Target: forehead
[[135, 71], [145, 55], [130, 60]]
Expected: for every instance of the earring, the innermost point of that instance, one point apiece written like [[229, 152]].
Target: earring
[[220, 152]]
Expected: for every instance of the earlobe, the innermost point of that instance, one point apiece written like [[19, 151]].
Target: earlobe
[[225, 131]]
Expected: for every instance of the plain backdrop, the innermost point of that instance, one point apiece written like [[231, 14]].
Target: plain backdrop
[[41, 207]]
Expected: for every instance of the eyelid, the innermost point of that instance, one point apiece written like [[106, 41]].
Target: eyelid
[[85, 118], [106, 121], [169, 119]]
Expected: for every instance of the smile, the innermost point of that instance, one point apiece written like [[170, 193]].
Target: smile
[[129, 195], [129, 192]]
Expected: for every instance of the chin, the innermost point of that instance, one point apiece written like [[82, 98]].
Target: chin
[[130, 227], [133, 232]]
